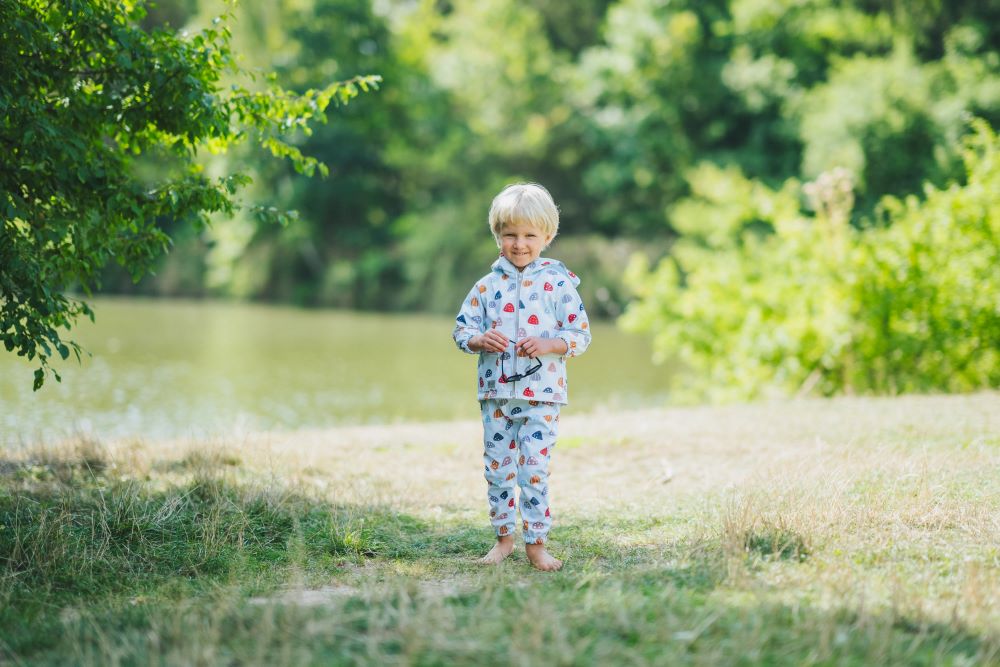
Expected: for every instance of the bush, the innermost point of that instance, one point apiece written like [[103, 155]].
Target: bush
[[758, 298]]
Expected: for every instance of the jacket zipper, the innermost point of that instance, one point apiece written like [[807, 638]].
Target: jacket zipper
[[517, 324]]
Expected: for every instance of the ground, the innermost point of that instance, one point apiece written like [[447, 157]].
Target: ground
[[846, 531]]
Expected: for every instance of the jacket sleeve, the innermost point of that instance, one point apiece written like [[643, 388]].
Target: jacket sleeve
[[574, 326], [470, 320]]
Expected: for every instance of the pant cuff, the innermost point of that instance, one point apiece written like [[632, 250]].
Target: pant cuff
[[505, 530]]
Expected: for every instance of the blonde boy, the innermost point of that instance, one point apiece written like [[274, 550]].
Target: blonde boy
[[523, 319]]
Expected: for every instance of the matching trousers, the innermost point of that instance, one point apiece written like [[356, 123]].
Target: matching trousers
[[518, 437]]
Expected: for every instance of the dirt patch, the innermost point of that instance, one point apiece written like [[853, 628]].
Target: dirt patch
[[333, 593]]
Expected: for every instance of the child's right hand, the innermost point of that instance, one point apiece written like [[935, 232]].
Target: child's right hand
[[491, 341]]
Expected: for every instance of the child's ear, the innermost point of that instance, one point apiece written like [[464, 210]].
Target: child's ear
[[548, 239]]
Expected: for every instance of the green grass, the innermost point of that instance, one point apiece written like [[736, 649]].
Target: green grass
[[142, 555]]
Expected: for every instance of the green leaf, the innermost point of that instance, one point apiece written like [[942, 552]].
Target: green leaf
[[83, 119]]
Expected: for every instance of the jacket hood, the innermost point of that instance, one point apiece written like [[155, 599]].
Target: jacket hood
[[503, 265]]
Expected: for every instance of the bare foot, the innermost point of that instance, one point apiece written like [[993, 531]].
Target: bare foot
[[503, 548], [542, 559]]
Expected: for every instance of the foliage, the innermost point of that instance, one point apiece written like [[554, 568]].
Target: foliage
[[615, 105], [336, 252], [818, 305], [927, 295], [102, 123], [877, 116], [610, 104]]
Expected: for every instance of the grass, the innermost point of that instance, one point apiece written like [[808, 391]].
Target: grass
[[847, 532]]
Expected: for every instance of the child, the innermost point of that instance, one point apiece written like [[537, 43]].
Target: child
[[523, 319]]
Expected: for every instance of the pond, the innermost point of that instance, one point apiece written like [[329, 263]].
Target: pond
[[163, 369]]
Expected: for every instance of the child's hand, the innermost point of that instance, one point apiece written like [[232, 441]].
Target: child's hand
[[491, 341], [533, 346]]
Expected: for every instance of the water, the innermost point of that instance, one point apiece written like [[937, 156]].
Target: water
[[161, 369]]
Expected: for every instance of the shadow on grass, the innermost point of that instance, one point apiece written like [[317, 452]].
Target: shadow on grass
[[614, 620], [71, 531], [144, 565]]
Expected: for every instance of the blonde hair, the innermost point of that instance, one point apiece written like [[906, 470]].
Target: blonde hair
[[527, 203]]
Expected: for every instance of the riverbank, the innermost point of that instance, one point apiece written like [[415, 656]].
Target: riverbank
[[852, 530]]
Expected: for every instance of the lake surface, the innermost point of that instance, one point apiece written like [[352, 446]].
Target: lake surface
[[161, 369]]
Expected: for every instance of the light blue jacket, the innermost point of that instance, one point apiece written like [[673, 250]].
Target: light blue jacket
[[540, 301]]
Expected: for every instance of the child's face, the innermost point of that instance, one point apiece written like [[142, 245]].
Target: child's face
[[522, 243]]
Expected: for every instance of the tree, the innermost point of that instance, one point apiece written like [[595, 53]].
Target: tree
[[101, 125]]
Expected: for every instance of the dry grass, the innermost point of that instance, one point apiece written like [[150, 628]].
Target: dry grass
[[857, 476], [878, 518]]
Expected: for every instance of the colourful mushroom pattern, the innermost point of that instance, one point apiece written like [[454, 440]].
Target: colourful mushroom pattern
[[539, 301], [521, 417]]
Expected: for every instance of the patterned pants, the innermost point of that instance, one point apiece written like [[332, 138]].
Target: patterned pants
[[518, 437]]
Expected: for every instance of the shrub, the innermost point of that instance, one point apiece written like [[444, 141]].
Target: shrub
[[758, 297]]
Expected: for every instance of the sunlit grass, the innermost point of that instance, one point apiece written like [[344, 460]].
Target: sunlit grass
[[857, 531]]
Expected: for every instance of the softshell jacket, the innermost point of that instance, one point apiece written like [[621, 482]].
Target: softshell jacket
[[540, 301]]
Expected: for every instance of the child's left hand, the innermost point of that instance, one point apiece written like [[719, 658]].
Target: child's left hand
[[533, 346]]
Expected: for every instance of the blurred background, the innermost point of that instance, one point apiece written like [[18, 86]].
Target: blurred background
[[766, 197]]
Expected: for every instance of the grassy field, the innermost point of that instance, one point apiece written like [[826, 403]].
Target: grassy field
[[845, 532]]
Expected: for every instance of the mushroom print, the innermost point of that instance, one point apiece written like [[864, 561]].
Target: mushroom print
[[539, 301], [533, 432]]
